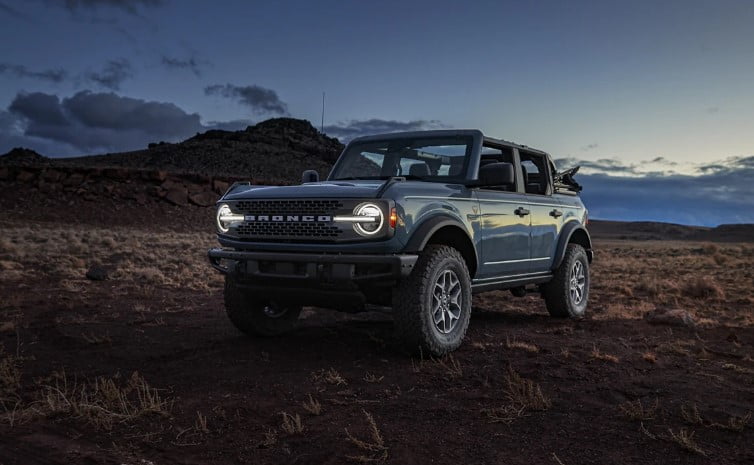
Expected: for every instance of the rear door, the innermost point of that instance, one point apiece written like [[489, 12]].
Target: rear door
[[504, 223], [546, 212]]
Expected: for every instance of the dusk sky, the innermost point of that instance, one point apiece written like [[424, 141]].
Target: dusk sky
[[643, 92]]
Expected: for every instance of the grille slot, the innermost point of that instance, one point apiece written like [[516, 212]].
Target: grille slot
[[287, 230], [283, 207]]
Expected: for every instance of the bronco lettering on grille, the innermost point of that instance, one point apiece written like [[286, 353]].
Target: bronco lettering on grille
[[289, 218]]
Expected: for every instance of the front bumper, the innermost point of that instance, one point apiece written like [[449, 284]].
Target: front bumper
[[311, 267]]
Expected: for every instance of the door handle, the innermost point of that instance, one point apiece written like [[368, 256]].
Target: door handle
[[556, 213], [521, 211]]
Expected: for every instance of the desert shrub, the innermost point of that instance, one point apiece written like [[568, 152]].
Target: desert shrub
[[710, 249], [702, 287]]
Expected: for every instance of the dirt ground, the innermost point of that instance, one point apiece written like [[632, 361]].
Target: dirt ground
[[144, 368]]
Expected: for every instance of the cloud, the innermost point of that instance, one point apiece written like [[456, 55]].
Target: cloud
[[50, 75], [347, 130], [129, 6], [39, 107], [588, 147], [603, 165], [191, 64], [259, 99], [112, 75], [720, 192], [93, 122]]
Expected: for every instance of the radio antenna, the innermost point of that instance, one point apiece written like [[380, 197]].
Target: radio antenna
[[322, 124]]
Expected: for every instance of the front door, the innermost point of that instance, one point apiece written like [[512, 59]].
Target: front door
[[505, 223]]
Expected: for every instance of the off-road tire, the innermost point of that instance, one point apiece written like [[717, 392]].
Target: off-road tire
[[415, 327], [557, 293], [249, 316]]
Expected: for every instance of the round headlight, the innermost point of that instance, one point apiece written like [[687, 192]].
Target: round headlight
[[225, 217], [372, 211]]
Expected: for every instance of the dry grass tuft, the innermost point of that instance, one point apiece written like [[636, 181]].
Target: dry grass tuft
[[312, 406], [373, 449], [525, 392], [371, 378], [102, 404], [200, 424], [523, 395], [270, 439], [10, 374], [703, 287], [691, 415], [735, 423], [597, 355], [686, 440], [332, 376], [292, 423], [514, 344], [451, 365], [649, 357], [738, 369], [635, 410]]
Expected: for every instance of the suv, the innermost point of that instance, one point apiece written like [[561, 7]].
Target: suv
[[416, 221]]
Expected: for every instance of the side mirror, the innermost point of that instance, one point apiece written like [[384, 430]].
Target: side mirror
[[497, 175], [309, 176]]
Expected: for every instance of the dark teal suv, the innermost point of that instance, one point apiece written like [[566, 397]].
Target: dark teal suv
[[415, 221]]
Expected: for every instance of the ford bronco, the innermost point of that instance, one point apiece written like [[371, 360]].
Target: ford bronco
[[416, 221]]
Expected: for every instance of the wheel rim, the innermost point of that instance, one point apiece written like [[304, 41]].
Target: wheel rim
[[577, 283], [447, 301], [272, 310]]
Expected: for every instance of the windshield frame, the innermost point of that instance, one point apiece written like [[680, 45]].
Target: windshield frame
[[471, 138]]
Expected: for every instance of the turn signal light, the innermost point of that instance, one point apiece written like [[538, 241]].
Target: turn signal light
[[393, 218]]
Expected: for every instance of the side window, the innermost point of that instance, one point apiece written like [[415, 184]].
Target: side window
[[496, 154], [533, 166]]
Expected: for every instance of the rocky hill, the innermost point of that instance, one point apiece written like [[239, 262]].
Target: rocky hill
[[276, 151]]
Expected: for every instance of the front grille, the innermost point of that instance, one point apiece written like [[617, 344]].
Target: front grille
[[315, 231], [302, 231], [285, 207]]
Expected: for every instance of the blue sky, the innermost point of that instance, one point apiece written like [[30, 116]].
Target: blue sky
[[663, 89]]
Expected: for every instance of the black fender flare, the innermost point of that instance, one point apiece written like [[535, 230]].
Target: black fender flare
[[566, 234], [429, 227]]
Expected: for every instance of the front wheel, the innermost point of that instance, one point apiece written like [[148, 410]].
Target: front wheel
[[257, 317], [432, 306], [568, 292]]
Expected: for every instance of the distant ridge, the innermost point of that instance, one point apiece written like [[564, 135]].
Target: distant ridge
[[278, 148], [649, 230]]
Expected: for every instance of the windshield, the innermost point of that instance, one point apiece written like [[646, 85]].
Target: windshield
[[440, 159]]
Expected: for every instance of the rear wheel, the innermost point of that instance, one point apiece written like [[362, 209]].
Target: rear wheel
[[432, 306], [568, 292], [257, 317]]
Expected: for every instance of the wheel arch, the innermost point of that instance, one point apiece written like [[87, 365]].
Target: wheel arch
[[572, 233], [448, 231]]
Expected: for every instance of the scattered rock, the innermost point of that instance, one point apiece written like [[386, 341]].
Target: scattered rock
[[25, 176], [98, 273], [7, 327], [177, 195], [220, 186], [52, 175], [75, 179], [672, 317], [168, 184], [203, 199]]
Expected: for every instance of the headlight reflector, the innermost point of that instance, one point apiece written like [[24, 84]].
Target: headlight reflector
[[225, 218], [372, 211]]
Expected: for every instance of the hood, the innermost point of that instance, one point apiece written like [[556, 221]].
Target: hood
[[323, 189]]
